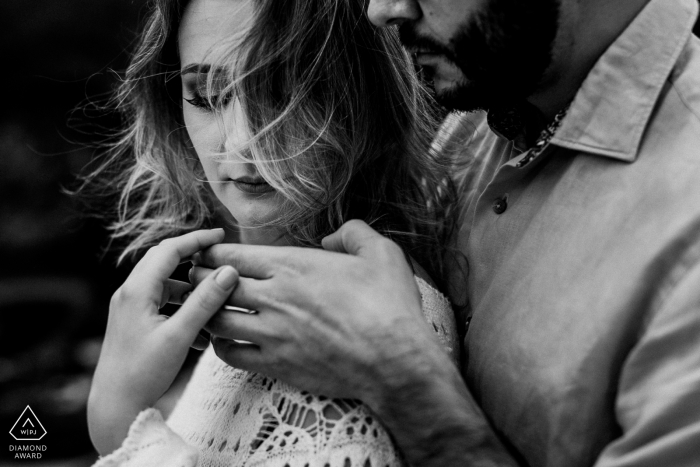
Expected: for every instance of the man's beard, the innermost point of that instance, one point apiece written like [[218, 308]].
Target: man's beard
[[503, 53]]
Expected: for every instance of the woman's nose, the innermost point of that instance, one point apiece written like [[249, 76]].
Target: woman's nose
[[234, 129], [384, 13]]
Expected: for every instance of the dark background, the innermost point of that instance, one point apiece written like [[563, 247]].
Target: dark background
[[55, 283]]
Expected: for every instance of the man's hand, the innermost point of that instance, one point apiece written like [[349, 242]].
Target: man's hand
[[327, 322], [347, 322]]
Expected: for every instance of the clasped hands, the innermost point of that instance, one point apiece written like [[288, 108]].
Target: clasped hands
[[345, 321], [332, 322]]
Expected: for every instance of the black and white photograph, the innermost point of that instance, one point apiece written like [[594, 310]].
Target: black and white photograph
[[350, 233]]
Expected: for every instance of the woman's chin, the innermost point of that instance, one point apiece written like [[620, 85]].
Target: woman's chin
[[264, 236]]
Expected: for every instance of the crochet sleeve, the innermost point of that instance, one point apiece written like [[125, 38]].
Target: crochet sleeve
[[151, 443]]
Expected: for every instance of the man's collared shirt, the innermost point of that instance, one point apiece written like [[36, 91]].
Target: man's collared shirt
[[583, 274]]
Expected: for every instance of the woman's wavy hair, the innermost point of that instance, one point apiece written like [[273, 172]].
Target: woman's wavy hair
[[341, 129]]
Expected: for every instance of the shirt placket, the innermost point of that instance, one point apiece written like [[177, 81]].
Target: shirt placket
[[497, 209]]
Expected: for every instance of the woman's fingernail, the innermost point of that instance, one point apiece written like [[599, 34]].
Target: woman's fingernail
[[227, 277]]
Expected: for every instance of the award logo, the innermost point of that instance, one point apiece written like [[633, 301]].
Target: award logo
[[28, 428]]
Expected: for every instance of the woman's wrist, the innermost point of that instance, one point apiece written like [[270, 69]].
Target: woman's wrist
[[110, 415]]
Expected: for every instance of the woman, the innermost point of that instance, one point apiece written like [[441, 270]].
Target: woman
[[291, 117]]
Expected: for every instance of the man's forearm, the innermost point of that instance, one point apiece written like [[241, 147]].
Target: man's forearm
[[433, 417]]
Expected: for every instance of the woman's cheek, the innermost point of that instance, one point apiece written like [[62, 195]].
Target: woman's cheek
[[204, 132]]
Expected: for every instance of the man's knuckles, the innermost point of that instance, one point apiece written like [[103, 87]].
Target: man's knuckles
[[387, 251], [210, 299], [219, 255]]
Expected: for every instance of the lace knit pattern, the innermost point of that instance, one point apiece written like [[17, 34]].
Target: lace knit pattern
[[237, 418]]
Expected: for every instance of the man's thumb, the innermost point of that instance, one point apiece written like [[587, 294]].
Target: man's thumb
[[354, 237]]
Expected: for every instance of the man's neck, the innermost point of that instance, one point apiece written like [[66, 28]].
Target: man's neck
[[519, 122], [587, 29]]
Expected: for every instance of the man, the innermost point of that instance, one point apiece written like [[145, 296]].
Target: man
[[581, 228]]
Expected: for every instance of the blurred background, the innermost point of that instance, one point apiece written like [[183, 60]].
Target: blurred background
[[55, 282]]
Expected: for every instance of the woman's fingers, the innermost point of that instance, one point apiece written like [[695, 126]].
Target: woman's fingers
[[248, 294], [145, 284], [198, 273], [205, 300], [161, 260], [174, 292]]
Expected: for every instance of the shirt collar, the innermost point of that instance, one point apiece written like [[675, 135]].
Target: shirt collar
[[522, 123], [613, 106]]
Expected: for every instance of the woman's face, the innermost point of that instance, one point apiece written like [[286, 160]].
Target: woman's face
[[236, 184]]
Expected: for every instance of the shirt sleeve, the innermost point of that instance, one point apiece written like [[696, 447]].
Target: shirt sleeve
[[151, 443], [658, 402]]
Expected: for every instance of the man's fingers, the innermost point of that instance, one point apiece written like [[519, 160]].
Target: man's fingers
[[354, 237], [205, 300], [200, 342], [238, 355], [249, 260], [174, 291], [251, 294], [239, 326]]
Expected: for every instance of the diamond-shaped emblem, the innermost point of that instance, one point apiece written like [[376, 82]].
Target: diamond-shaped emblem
[[27, 427]]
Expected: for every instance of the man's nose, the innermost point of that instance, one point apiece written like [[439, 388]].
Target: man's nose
[[384, 13]]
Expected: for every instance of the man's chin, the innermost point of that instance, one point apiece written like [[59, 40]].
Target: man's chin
[[444, 86], [461, 96], [454, 91]]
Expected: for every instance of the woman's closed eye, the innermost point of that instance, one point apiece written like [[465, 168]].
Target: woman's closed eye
[[210, 102], [204, 92]]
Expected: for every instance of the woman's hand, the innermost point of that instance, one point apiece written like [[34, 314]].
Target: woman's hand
[[143, 350], [347, 322], [329, 323]]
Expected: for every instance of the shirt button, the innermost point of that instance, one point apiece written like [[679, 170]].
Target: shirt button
[[500, 205]]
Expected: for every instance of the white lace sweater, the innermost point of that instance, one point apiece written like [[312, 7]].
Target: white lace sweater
[[228, 417]]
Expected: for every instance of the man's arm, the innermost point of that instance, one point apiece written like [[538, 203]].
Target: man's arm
[[435, 420], [351, 325]]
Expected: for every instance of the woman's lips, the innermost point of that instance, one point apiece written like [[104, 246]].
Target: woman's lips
[[252, 185]]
